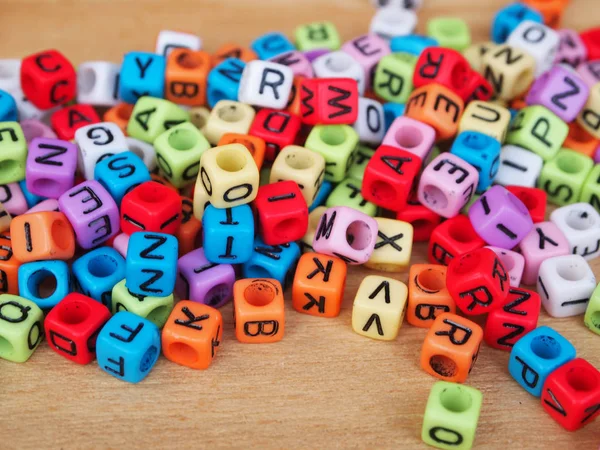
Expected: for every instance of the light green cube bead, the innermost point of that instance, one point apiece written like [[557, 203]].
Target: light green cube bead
[[152, 116], [538, 129], [465, 209], [590, 192], [336, 143], [13, 152], [316, 35], [155, 309], [592, 313], [21, 327], [347, 193], [563, 177], [362, 155], [451, 416], [178, 152], [450, 32], [393, 80]]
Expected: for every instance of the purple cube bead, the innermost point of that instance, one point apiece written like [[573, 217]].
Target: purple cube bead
[[311, 55], [13, 199], [51, 166], [33, 128], [202, 281], [500, 218], [92, 212], [572, 50], [597, 155]]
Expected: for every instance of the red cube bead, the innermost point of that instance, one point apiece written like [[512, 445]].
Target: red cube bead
[[282, 212], [477, 281], [478, 88], [329, 101], [67, 121], [533, 198], [591, 40], [443, 66], [73, 325], [48, 79], [423, 220], [519, 315], [453, 238], [151, 206], [571, 394], [276, 128], [389, 177]]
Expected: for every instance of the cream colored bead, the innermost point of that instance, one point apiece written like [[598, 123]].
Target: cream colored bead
[[474, 54], [393, 247], [486, 118], [509, 70], [590, 115], [5, 219], [228, 117], [201, 200], [199, 116], [313, 221]]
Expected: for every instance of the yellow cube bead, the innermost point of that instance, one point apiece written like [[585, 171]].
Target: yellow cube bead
[[199, 116], [393, 247], [379, 307], [486, 118], [201, 200], [5, 219], [313, 222], [509, 70], [589, 118], [21, 328], [228, 117], [475, 52]]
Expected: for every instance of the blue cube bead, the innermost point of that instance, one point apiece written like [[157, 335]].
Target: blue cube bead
[[151, 264], [391, 111], [30, 198], [128, 347], [536, 355], [142, 74], [509, 18], [8, 107], [482, 152], [97, 272], [224, 81], [120, 173], [272, 261], [32, 275], [321, 198], [412, 43], [271, 44], [228, 234]]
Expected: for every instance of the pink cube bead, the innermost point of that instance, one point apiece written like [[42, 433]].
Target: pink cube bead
[[513, 262], [50, 204], [447, 184], [597, 155], [311, 55], [51, 166], [296, 61], [589, 71], [202, 281], [572, 50], [367, 49], [545, 241], [346, 233], [549, 88], [92, 212], [500, 218], [33, 128], [120, 244], [12, 198], [410, 135]]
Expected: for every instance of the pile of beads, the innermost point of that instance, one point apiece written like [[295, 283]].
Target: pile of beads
[[314, 155]]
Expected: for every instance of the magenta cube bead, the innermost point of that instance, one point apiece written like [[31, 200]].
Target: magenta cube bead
[[513, 262], [549, 88], [589, 71], [572, 50], [500, 218], [33, 128], [545, 241], [367, 49], [410, 135], [51, 166], [447, 184], [201, 281], [92, 212], [597, 155], [297, 61], [12, 198], [50, 204]]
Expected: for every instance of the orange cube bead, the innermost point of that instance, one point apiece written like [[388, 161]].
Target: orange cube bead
[[258, 310], [255, 145], [293, 105], [9, 267], [162, 180], [189, 233], [427, 295], [451, 347], [551, 10], [580, 140], [438, 107], [233, 51], [42, 236], [186, 76], [318, 287], [119, 114]]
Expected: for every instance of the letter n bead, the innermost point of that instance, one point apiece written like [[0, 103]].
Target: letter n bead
[[51, 166], [21, 328]]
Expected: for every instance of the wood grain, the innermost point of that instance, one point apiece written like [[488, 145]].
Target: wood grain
[[323, 386]]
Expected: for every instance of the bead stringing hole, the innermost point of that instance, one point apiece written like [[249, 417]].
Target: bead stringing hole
[[259, 293], [443, 365], [546, 347], [456, 399], [582, 379], [358, 235], [571, 272]]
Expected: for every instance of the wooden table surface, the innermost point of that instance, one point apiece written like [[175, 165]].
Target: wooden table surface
[[323, 386]]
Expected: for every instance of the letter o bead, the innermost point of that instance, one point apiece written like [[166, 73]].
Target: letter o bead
[[21, 328]]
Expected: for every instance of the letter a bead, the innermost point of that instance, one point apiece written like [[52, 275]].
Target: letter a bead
[[21, 328]]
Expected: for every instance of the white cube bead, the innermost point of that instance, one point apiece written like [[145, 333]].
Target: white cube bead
[[97, 83], [518, 167], [266, 84], [95, 142], [370, 124], [391, 21], [10, 75], [340, 64], [144, 150], [565, 284], [408, 4], [168, 40], [28, 110], [539, 41], [580, 223]]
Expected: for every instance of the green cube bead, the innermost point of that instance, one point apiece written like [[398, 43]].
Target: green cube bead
[[153, 116], [538, 129], [362, 155], [155, 309], [451, 416], [317, 35], [21, 327], [13, 152], [450, 32], [590, 192], [393, 80], [178, 152], [563, 177], [336, 143], [347, 193], [592, 313]]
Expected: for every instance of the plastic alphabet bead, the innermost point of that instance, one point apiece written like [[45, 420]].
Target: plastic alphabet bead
[[186, 76], [228, 116], [423, 220], [13, 151], [21, 327], [224, 81], [142, 74], [580, 224], [589, 118], [534, 200], [367, 50], [336, 143], [272, 261], [571, 50], [9, 267], [228, 234], [452, 238], [590, 40], [589, 71], [393, 247], [8, 107], [317, 35], [169, 41], [295, 60], [97, 83], [30, 197], [393, 79], [378, 308], [42, 236], [581, 141], [128, 347], [119, 115], [451, 347], [313, 221], [391, 21], [482, 152], [68, 120], [413, 43], [323, 195], [362, 156], [513, 262], [120, 173], [153, 116], [370, 123], [259, 314], [391, 112], [509, 70], [33, 274], [445, 67], [427, 295], [592, 313], [474, 55], [410, 135], [230, 50], [5, 219], [564, 176], [348, 193], [544, 241], [451, 416], [487, 118], [265, 84], [277, 128], [155, 309], [539, 41], [509, 18], [255, 145], [51, 166], [33, 128], [328, 101], [271, 44], [151, 207], [450, 32], [518, 167]]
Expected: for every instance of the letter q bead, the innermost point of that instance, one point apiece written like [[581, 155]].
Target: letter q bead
[[21, 328]]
